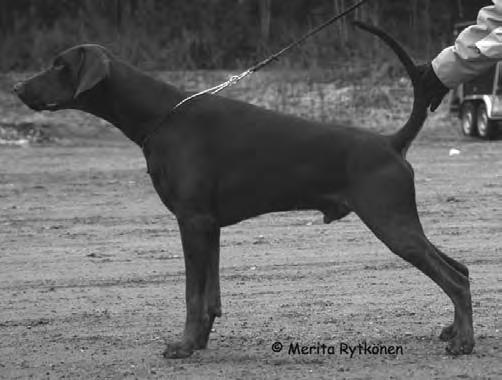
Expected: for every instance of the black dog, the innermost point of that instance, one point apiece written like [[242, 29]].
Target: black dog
[[216, 161]]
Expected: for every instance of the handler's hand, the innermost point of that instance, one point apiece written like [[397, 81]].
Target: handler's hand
[[434, 89]]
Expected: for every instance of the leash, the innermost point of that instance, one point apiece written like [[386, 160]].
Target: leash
[[253, 69], [236, 78]]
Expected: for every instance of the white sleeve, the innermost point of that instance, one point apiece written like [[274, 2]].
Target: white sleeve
[[475, 50]]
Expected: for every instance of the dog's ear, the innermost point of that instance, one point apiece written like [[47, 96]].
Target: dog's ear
[[94, 67]]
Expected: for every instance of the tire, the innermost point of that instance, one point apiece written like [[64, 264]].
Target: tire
[[486, 127], [468, 120]]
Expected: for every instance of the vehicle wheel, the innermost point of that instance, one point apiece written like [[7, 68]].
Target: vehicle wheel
[[486, 127], [469, 119]]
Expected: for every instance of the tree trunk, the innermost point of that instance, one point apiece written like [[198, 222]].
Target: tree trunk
[[265, 16]]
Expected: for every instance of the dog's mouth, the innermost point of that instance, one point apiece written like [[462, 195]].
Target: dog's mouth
[[39, 104], [52, 106], [43, 106]]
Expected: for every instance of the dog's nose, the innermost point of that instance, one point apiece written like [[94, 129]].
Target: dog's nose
[[17, 88]]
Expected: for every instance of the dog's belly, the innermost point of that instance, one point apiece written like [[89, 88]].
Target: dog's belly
[[234, 212], [279, 182], [246, 199]]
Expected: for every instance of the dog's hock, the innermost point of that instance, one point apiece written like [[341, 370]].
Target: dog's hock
[[94, 67]]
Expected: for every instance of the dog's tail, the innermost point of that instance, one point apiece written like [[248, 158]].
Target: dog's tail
[[402, 139]]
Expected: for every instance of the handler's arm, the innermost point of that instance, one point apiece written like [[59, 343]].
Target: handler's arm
[[476, 49]]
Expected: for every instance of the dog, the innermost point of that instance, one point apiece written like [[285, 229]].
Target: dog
[[215, 161]]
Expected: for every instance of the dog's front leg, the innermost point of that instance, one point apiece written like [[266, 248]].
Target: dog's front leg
[[200, 236]]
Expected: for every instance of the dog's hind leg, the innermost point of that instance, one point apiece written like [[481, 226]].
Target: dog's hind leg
[[385, 201], [450, 331], [454, 263]]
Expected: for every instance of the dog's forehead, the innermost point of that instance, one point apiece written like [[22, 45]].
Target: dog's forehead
[[76, 51]]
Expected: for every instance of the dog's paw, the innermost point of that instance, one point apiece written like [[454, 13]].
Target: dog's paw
[[448, 333], [460, 345], [178, 350]]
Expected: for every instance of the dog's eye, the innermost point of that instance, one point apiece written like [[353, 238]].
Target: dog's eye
[[58, 66]]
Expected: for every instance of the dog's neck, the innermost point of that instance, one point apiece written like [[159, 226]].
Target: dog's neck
[[131, 100]]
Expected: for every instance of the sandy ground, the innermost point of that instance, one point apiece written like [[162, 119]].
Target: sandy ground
[[92, 283]]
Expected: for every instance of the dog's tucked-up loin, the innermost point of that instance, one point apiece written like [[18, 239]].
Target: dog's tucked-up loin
[[216, 161]]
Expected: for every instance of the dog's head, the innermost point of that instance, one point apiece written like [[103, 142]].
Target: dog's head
[[73, 72]]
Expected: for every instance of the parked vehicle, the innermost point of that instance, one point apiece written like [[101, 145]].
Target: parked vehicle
[[478, 103]]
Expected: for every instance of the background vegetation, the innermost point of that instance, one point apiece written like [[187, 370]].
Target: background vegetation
[[218, 34]]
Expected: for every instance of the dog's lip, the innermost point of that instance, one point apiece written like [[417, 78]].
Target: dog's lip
[[52, 106], [34, 106], [40, 106]]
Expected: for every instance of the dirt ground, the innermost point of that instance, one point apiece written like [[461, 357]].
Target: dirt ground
[[92, 279]]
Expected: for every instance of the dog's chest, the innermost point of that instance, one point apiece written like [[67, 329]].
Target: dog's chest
[[159, 174], [162, 186]]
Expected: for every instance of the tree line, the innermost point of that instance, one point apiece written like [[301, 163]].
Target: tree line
[[220, 34]]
